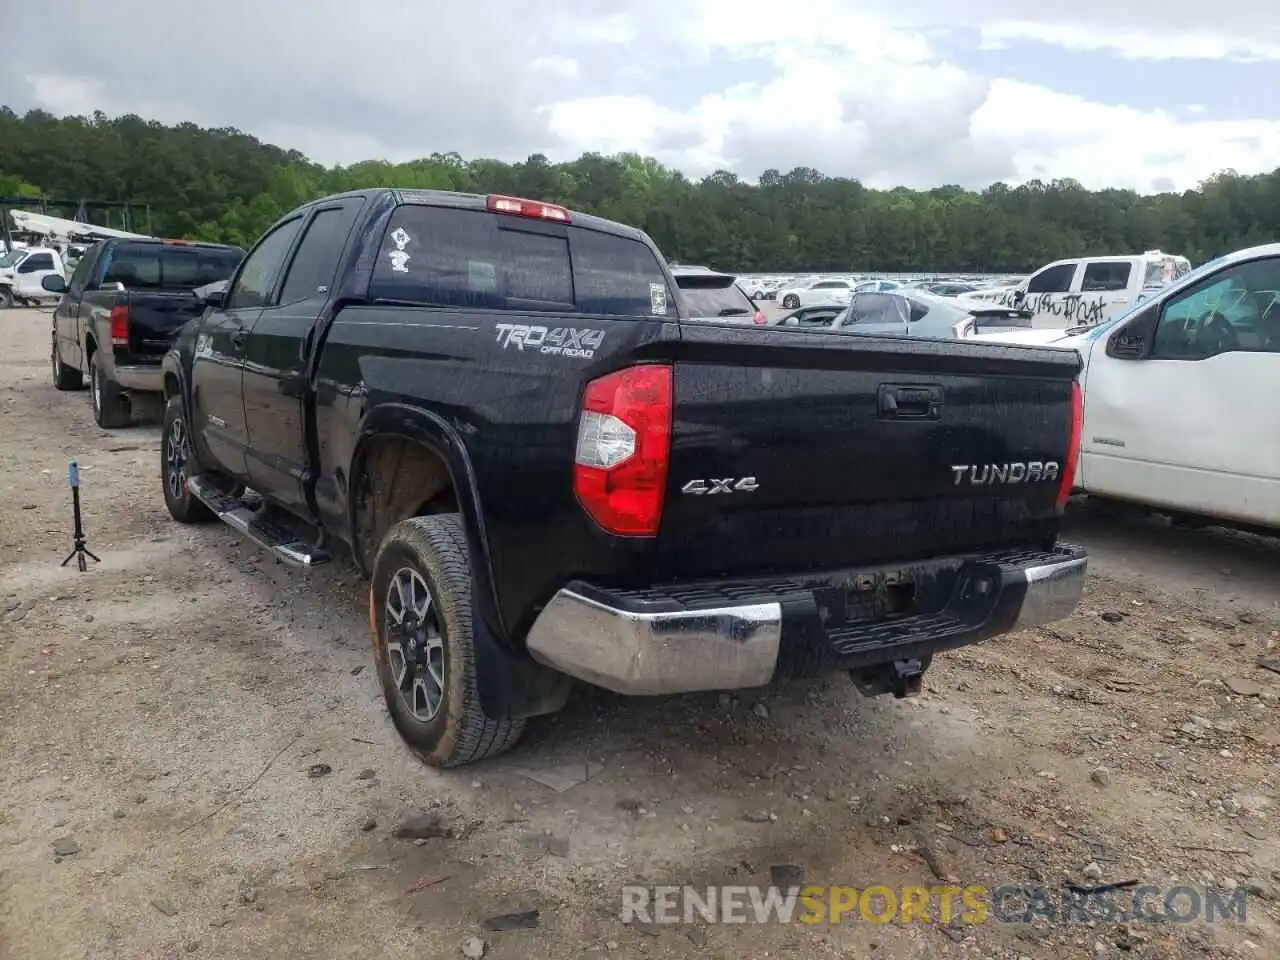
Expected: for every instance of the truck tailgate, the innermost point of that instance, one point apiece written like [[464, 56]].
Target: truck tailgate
[[154, 318], [797, 452]]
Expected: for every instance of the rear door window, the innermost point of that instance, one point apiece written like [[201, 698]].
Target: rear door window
[[168, 266], [1106, 276], [467, 258], [712, 298], [878, 308]]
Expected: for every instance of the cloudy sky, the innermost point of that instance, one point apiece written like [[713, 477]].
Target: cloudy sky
[[1147, 94]]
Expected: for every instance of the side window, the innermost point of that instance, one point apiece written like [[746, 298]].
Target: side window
[[1236, 309], [1100, 277], [261, 268], [618, 277], [1053, 280], [81, 273], [37, 262], [876, 308], [831, 285], [316, 261]]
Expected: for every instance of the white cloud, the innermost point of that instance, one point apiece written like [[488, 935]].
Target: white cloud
[[850, 87], [1130, 44], [564, 68]]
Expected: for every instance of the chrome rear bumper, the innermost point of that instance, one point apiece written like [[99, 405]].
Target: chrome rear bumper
[[636, 651]]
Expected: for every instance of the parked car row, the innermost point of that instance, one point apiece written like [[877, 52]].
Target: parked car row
[[1180, 367], [440, 386], [908, 312], [1181, 390]]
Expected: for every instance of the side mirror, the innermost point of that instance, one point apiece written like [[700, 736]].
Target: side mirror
[[1134, 339], [54, 283], [1019, 295], [212, 294]]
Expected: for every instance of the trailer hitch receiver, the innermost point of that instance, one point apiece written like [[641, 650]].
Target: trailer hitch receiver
[[902, 678]]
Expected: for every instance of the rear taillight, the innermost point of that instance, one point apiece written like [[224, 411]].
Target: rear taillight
[[120, 326], [760, 318], [519, 207], [624, 444], [1073, 446]]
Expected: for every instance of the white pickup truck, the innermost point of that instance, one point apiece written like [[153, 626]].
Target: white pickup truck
[[22, 273], [1086, 290], [1181, 393]]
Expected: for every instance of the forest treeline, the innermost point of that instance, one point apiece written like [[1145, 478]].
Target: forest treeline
[[223, 185]]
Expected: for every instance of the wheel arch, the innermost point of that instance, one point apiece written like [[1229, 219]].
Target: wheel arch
[[511, 684], [175, 378], [391, 433]]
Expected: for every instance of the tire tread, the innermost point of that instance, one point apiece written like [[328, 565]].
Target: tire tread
[[114, 410], [440, 538]]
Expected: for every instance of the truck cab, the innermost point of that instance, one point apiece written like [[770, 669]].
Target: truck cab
[[1086, 291], [22, 273]]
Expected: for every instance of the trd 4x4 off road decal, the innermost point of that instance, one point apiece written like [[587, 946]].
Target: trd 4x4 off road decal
[[551, 341]]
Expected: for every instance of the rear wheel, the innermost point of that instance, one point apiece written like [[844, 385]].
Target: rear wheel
[[791, 301], [420, 611], [110, 406], [64, 377], [177, 465]]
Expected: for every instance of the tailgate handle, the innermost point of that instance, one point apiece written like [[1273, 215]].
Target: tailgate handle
[[910, 402]]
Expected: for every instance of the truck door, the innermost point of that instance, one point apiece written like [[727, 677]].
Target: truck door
[[217, 406], [1180, 400], [31, 271], [66, 315], [1107, 287], [1046, 294], [276, 359]]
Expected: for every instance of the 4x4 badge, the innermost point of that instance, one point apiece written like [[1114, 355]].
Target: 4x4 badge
[[714, 485]]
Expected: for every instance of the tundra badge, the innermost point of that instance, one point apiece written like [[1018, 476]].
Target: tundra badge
[[988, 474], [726, 485]]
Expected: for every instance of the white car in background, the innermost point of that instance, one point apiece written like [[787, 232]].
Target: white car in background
[[825, 290], [1180, 395]]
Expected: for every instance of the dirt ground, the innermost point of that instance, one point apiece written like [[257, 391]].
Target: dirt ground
[[195, 759]]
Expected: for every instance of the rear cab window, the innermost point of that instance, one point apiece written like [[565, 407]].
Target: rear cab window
[[713, 296], [458, 257], [168, 266]]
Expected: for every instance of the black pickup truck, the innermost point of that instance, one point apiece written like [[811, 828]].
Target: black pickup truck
[[493, 406], [119, 312]]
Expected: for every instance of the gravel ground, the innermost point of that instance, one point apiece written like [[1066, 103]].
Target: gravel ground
[[195, 759]]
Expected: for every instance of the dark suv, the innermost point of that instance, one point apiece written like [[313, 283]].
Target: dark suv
[[708, 295]]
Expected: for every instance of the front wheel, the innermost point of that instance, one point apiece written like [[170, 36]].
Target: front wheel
[[420, 611], [6, 298], [791, 302], [177, 465]]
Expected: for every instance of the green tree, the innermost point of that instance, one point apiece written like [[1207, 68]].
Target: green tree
[[221, 184]]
